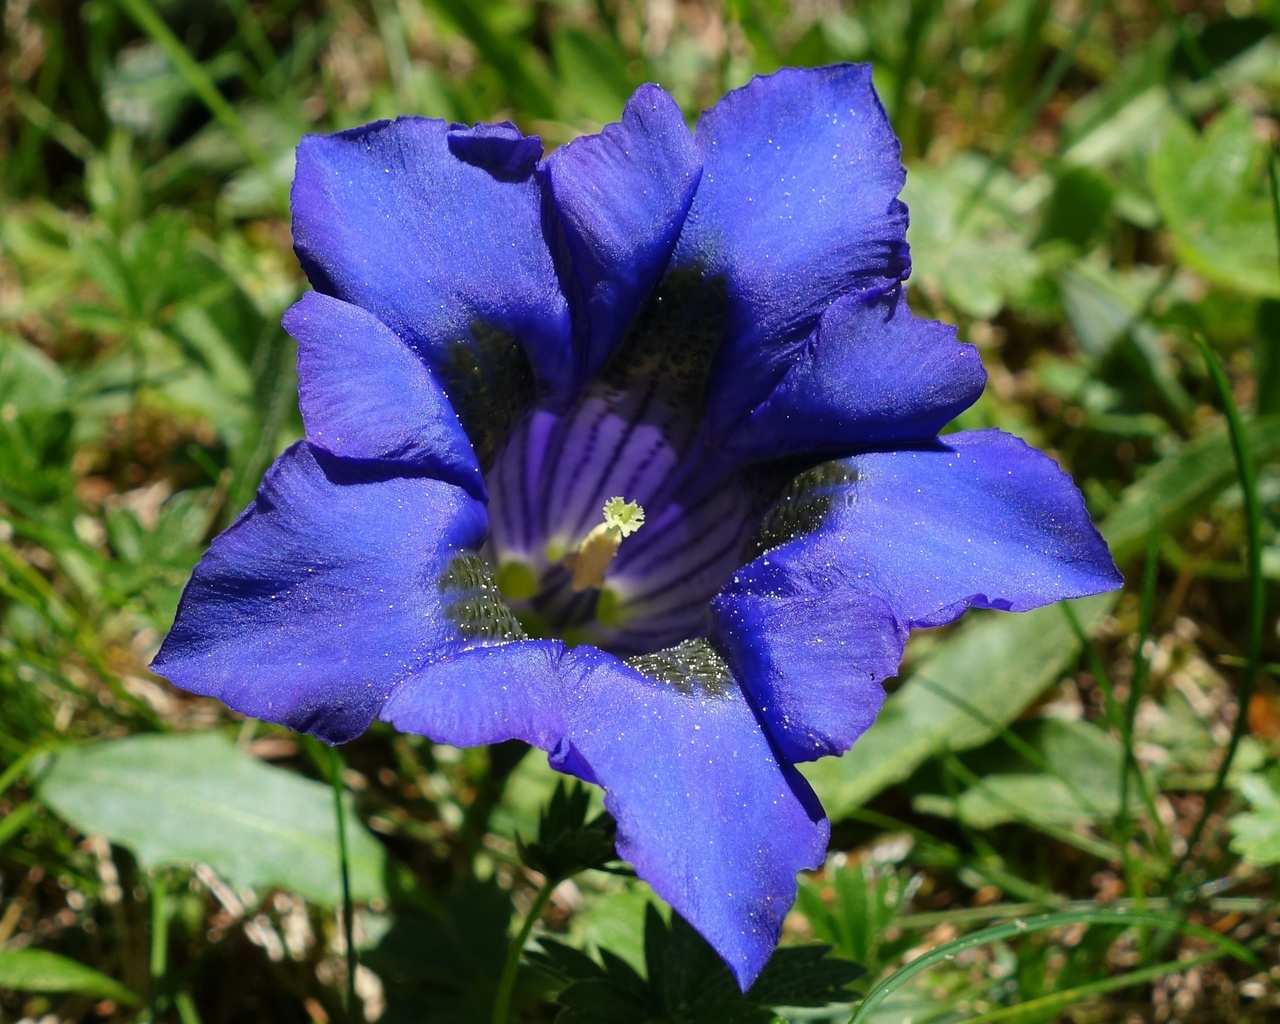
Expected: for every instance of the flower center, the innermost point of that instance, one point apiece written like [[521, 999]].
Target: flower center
[[636, 443]]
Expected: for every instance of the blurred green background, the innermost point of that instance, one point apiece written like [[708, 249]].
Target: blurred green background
[[1092, 188]]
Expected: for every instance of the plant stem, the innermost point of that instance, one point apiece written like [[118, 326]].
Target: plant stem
[[348, 915], [507, 983], [1257, 597], [159, 943]]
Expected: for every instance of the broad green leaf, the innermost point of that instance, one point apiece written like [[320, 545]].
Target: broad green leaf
[[1211, 193], [1080, 782], [38, 970], [196, 799], [1000, 799], [959, 697], [1181, 485], [612, 916]]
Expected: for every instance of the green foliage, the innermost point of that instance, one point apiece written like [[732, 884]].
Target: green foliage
[[686, 982], [1019, 927], [974, 251], [865, 901], [959, 697], [567, 842], [1181, 485], [1086, 197], [1212, 195], [195, 799], [37, 970], [1076, 211], [441, 962], [1080, 765], [1257, 833]]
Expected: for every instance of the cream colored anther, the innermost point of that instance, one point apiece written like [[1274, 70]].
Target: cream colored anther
[[596, 552]]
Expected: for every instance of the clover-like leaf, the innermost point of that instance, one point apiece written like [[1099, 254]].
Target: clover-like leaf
[[1256, 835], [1211, 192]]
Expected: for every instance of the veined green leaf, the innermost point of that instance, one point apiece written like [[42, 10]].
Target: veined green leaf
[[38, 970], [195, 799]]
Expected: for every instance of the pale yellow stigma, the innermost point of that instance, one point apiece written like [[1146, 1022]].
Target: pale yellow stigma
[[596, 552]]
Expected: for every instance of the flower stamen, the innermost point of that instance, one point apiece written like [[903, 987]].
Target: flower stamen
[[596, 552]]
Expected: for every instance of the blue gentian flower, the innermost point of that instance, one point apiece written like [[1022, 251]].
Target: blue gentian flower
[[630, 452]]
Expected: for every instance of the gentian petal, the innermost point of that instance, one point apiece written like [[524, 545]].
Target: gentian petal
[[323, 594], [871, 374], [707, 813], [622, 197], [797, 207], [437, 231], [811, 653], [979, 519], [365, 395], [485, 695], [499, 148]]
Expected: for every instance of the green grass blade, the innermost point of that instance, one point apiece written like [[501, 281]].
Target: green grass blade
[[1257, 592], [196, 77], [16, 770], [949, 950], [13, 823], [344, 864], [38, 970], [1115, 716], [1274, 175], [472, 21], [1040, 1009], [186, 1006], [1059, 68], [1141, 667], [975, 915], [159, 943]]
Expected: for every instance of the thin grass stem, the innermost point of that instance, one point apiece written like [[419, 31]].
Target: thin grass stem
[[348, 911], [511, 966], [195, 76], [1059, 1001], [1026, 926], [159, 943], [1257, 594], [1062, 63]]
